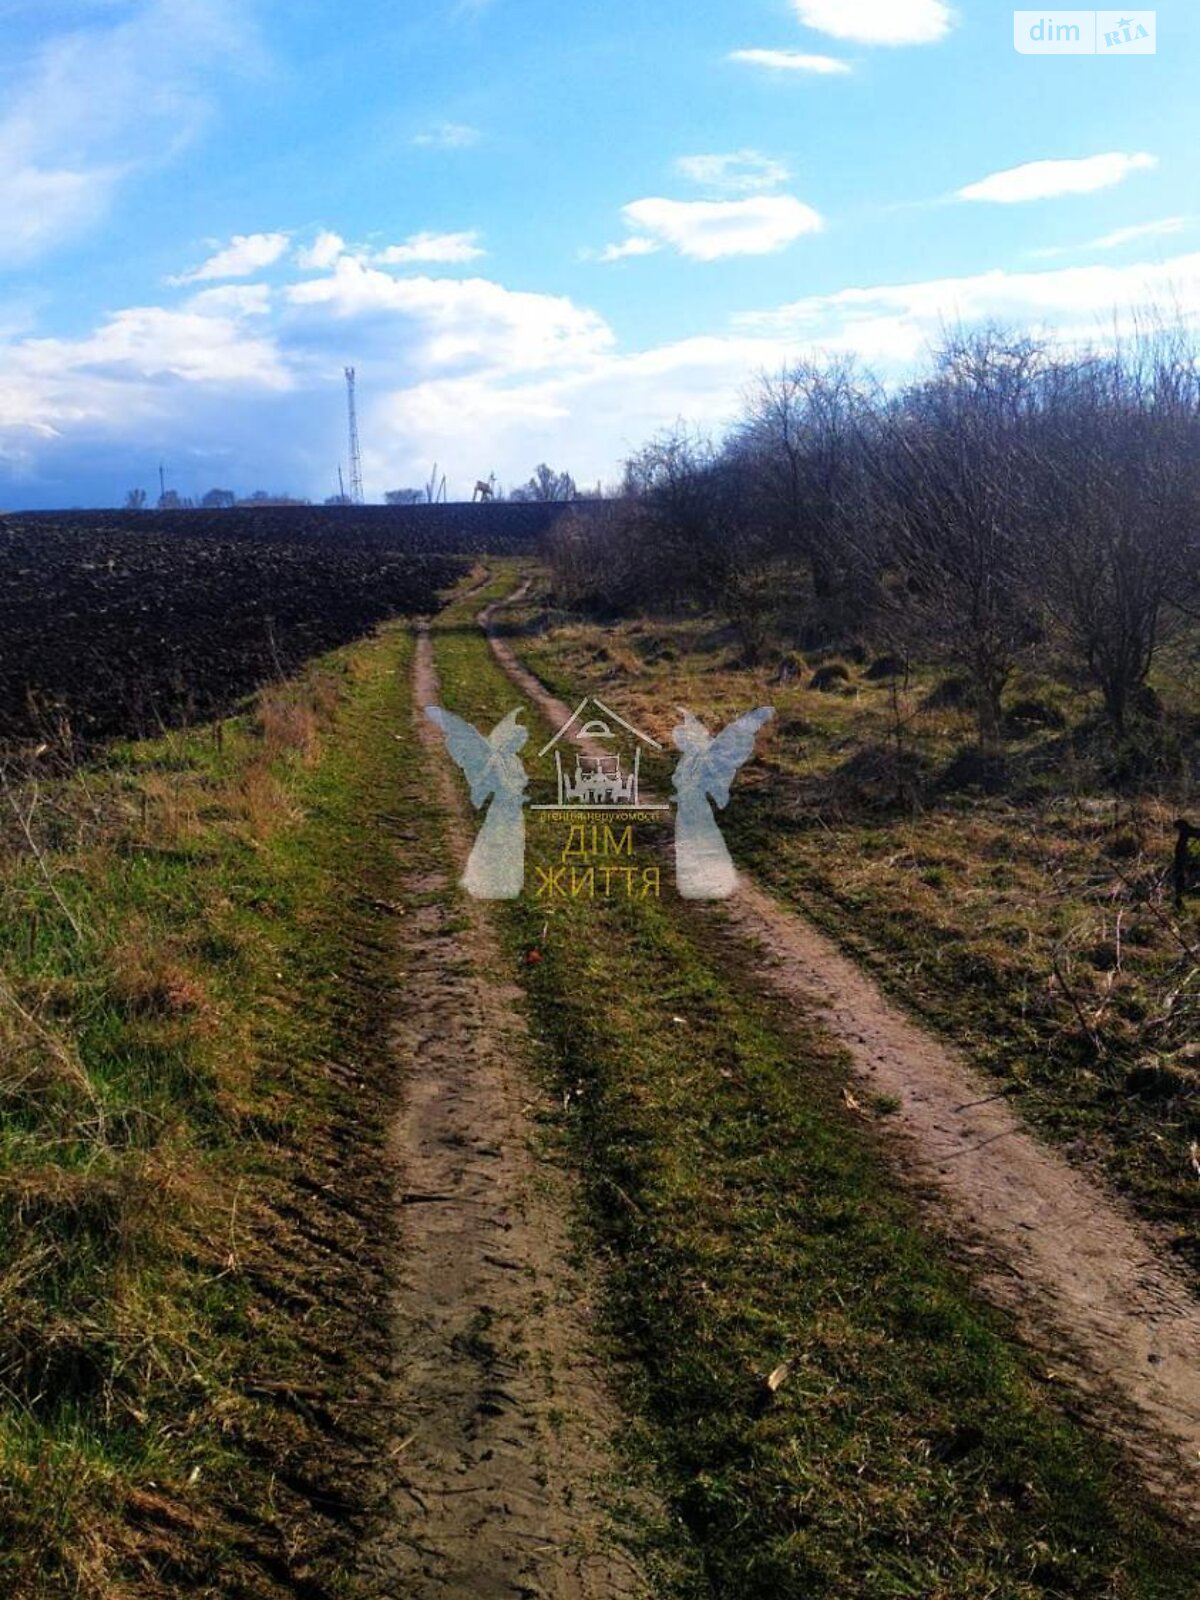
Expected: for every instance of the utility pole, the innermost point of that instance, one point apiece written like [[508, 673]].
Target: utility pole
[[356, 483], [162, 483]]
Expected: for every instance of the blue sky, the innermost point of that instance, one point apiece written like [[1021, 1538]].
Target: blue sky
[[539, 231]]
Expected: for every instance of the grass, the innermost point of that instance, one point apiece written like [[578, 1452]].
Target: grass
[[195, 973], [1033, 925], [749, 1224], [194, 969]]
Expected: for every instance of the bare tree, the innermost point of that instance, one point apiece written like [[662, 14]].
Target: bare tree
[[1120, 491], [404, 497], [700, 531], [546, 485], [135, 500], [954, 471], [806, 430]]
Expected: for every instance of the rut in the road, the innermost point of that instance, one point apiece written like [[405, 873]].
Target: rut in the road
[[498, 1489], [1076, 1270]]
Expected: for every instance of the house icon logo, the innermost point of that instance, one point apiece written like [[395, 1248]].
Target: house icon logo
[[597, 761]]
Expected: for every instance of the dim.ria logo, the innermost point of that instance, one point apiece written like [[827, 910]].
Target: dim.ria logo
[[597, 772], [1086, 33]]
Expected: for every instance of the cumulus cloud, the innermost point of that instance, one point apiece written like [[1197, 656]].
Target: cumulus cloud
[[742, 172], [1047, 180], [238, 299], [322, 253], [94, 106], [884, 22], [244, 255], [445, 323], [146, 346], [791, 61], [709, 230], [448, 136], [433, 247]]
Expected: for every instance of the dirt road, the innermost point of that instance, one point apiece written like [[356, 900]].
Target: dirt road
[[1077, 1271], [502, 1485]]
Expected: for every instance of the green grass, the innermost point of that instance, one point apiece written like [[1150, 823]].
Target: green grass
[[748, 1219], [193, 1201]]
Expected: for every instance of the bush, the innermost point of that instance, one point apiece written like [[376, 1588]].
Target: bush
[[1031, 713], [832, 676], [884, 667]]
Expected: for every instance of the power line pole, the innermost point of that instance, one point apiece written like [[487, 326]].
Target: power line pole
[[356, 483]]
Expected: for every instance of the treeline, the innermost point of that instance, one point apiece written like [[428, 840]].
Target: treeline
[[1012, 498]]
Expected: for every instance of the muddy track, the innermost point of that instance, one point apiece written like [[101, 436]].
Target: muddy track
[[501, 1482], [1068, 1261]]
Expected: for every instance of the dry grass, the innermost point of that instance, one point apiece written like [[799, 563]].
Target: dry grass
[[168, 811], [1026, 910], [290, 716], [151, 977], [264, 802]]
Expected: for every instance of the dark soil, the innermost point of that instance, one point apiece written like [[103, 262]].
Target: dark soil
[[108, 631]]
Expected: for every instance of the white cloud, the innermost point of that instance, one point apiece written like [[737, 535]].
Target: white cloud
[[433, 247], [97, 105], [445, 323], [245, 254], [742, 172], [448, 136], [709, 230], [41, 207], [885, 22], [1141, 230], [894, 323], [1047, 180], [791, 61], [587, 421], [146, 345], [238, 299], [322, 253], [1123, 236], [637, 245]]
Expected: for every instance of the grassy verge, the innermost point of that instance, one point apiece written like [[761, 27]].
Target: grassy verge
[[194, 969], [749, 1227], [1034, 926]]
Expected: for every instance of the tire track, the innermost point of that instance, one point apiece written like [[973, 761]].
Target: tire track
[[499, 1487], [1069, 1262]]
